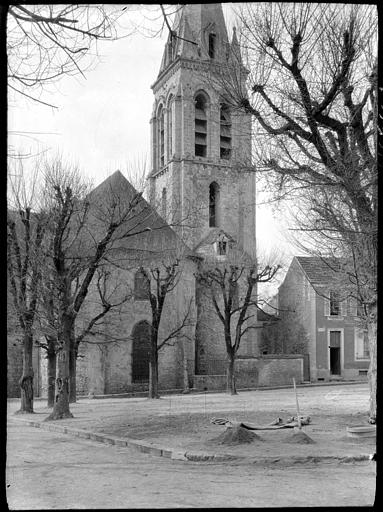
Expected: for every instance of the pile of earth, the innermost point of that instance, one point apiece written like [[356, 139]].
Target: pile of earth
[[236, 435]]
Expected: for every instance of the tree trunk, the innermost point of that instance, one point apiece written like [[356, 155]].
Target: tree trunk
[[230, 376], [73, 371], [372, 371], [153, 375], [61, 404], [51, 372], [26, 380], [185, 372]]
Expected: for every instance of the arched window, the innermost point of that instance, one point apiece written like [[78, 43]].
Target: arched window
[[161, 137], [213, 204], [212, 45], [200, 125], [163, 203], [170, 127], [225, 132], [141, 285], [141, 351]]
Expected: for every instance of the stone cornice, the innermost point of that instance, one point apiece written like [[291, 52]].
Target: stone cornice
[[182, 62], [194, 161]]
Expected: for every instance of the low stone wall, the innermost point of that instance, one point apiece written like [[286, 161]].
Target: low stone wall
[[253, 372]]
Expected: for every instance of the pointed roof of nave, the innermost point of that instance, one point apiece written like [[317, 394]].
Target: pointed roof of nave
[[192, 25], [144, 236]]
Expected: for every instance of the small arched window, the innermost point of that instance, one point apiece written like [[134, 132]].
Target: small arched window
[[213, 204], [212, 45], [161, 137], [200, 125], [141, 285], [163, 202], [225, 132]]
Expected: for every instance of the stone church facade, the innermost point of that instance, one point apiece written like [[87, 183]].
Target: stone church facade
[[202, 195], [200, 185]]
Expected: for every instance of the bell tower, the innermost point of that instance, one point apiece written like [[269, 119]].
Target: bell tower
[[201, 172]]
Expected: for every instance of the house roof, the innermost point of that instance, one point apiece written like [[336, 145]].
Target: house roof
[[319, 270]]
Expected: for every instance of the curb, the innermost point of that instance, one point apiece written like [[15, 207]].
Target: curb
[[177, 454]]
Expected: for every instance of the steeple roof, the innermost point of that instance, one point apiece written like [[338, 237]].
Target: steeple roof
[[191, 29]]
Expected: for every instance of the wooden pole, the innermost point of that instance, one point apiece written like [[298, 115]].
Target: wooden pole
[[296, 399]]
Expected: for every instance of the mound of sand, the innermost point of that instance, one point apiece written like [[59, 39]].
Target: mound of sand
[[300, 437], [236, 435]]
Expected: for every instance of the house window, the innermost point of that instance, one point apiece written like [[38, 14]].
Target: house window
[[161, 137], [362, 350], [213, 204], [360, 310], [225, 132], [200, 126], [212, 45], [141, 285], [334, 304]]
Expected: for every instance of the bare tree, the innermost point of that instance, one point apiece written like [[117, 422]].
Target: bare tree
[[222, 282], [86, 229], [47, 41], [285, 335], [26, 229], [109, 300], [313, 96], [161, 279]]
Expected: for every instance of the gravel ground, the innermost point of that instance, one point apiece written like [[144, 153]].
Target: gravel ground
[[184, 421]]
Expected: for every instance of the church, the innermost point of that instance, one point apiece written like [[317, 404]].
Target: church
[[203, 190], [201, 199]]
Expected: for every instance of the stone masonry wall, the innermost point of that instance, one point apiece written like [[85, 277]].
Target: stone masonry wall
[[107, 368], [257, 372]]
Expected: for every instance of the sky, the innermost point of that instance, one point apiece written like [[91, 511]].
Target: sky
[[102, 119]]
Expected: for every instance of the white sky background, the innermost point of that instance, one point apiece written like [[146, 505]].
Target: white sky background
[[102, 120]]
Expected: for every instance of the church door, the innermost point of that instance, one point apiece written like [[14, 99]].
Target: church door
[[141, 351]]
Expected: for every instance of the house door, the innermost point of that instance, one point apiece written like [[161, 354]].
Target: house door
[[141, 352], [335, 352]]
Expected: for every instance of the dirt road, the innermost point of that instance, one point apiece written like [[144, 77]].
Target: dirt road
[[46, 470]]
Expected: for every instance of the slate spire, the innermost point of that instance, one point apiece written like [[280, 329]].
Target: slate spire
[[198, 33]]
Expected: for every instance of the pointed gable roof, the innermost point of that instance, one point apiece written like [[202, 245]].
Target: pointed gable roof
[[144, 236]]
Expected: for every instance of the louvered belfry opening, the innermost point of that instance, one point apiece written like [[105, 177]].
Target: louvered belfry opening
[[200, 126]]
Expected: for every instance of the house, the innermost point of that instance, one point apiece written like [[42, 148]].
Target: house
[[337, 343]]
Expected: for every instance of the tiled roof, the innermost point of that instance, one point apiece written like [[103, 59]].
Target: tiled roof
[[319, 270]]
